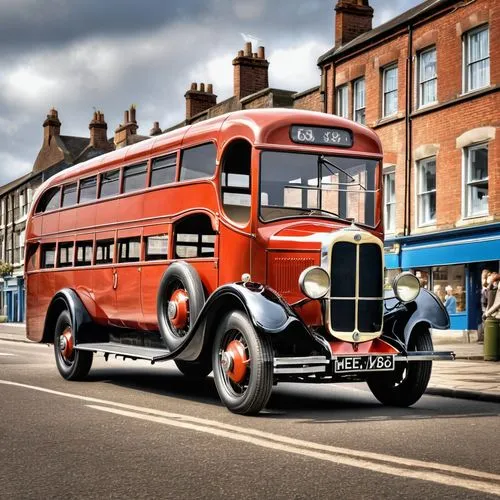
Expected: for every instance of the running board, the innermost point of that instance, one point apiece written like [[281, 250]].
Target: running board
[[127, 351]]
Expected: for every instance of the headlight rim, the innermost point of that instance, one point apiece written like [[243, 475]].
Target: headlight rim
[[396, 280], [302, 279]]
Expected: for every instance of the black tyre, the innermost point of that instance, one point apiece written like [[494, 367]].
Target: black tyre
[[71, 363], [180, 301], [242, 363], [406, 384], [195, 369]]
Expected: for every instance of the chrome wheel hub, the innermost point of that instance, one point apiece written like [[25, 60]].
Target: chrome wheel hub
[[226, 361]]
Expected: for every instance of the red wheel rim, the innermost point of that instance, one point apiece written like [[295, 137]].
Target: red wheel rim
[[66, 344], [235, 361], [178, 309]]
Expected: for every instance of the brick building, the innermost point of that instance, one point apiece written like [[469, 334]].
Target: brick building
[[427, 82]]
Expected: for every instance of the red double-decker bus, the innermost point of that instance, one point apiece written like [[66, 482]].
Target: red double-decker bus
[[249, 244]]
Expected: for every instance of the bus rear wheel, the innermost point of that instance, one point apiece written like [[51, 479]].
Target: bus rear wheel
[[71, 363], [179, 303], [408, 382], [242, 363]]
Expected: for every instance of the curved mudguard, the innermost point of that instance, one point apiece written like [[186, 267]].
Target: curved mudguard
[[269, 314], [69, 299], [426, 308]]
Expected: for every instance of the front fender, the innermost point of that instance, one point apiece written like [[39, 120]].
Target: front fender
[[426, 308]]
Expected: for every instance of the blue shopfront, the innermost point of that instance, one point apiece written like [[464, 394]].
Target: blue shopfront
[[449, 263], [13, 298]]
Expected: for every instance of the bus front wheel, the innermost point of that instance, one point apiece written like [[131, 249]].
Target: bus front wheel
[[242, 363], [71, 363]]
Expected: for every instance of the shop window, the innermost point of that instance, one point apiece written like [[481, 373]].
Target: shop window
[[129, 250], [110, 184], [235, 181], [476, 48], [49, 200], [426, 191], [134, 178], [84, 253], [476, 175], [65, 255], [69, 195], [390, 94], [104, 251], [157, 247], [342, 102], [88, 189], [48, 256], [390, 201], [359, 106], [448, 283], [198, 162], [163, 170], [194, 238], [427, 77]]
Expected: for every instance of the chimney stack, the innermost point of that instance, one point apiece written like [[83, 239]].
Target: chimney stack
[[199, 100], [51, 126], [352, 18], [98, 134], [250, 71], [127, 129], [156, 130]]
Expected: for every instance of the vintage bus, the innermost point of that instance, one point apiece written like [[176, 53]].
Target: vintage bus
[[249, 244]]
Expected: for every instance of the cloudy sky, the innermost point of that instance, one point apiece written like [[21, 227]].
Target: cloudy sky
[[81, 55]]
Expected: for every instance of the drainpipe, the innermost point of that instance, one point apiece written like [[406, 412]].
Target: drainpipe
[[408, 133]]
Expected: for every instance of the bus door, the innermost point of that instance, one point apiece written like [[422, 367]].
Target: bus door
[[104, 277], [128, 277]]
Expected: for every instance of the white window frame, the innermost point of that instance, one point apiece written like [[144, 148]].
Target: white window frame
[[342, 101], [466, 61], [468, 184], [389, 225], [392, 91], [359, 106], [421, 195], [422, 81]]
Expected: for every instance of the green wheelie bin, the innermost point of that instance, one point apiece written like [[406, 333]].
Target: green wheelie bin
[[492, 339]]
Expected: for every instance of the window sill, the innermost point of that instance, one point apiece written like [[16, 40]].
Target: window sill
[[425, 228], [388, 119], [422, 107], [474, 219], [466, 93]]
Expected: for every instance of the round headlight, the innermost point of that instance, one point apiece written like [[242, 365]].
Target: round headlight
[[406, 287], [314, 282]]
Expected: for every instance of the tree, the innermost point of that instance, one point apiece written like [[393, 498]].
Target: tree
[[6, 269]]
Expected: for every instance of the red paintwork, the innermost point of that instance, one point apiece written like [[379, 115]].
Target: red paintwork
[[180, 318], [376, 346], [67, 352], [253, 247], [237, 354]]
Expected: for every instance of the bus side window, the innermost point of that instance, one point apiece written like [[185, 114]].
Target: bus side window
[[129, 249], [198, 162], [88, 189], [83, 253], [134, 178], [49, 200], [163, 170], [48, 256], [31, 256], [157, 247], [69, 195], [235, 181], [104, 250], [65, 255], [110, 183], [194, 237]]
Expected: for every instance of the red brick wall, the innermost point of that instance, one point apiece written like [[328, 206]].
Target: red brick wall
[[310, 101]]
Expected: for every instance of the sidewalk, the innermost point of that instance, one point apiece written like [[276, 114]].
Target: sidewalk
[[468, 377]]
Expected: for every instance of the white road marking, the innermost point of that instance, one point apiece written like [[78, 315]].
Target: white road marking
[[344, 456], [6, 354]]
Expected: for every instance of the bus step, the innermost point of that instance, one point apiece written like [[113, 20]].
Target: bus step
[[127, 351]]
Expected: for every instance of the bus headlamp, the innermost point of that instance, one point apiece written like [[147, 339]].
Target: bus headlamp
[[314, 282], [406, 287]]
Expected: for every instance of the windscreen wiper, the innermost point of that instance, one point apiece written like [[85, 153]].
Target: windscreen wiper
[[327, 164]]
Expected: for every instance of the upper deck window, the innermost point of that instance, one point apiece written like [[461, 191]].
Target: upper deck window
[[198, 162], [49, 200], [69, 195], [134, 178], [88, 189], [163, 170], [110, 183]]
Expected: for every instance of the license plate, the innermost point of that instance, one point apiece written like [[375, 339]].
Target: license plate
[[355, 364]]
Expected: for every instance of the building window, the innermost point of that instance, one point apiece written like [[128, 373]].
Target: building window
[[448, 283], [427, 77], [341, 102], [359, 101], [390, 201], [134, 178], [390, 86], [163, 170], [426, 191], [476, 59], [476, 175]]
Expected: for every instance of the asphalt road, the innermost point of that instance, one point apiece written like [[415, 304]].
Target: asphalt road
[[132, 430]]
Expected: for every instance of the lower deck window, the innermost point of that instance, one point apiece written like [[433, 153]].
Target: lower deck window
[[104, 251], [157, 247], [84, 253], [48, 256], [129, 250], [194, 238], [65, 255]]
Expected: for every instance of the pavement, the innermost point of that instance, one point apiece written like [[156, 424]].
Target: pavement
[[468, 377]]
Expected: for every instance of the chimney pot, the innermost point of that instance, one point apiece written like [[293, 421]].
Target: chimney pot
[[210, 88], [261, 52], [240, 53], [126, 117], [194, 86], [202, 87], [248, 49]]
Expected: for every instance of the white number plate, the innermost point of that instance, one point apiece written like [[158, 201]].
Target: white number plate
[[354, 364]]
